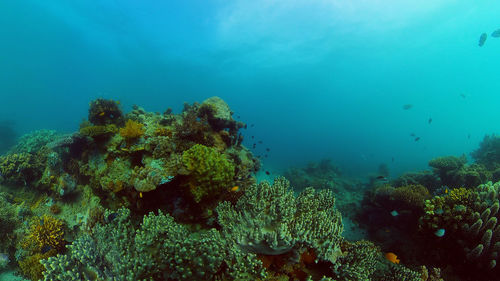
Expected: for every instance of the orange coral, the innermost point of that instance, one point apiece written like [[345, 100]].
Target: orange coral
[[132, 130]]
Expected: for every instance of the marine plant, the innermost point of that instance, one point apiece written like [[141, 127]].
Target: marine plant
[[209, 171]]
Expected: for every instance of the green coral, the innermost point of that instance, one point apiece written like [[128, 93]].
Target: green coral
[[159, 249], [470, 219], [20, 169], [281, 223], [210, 173]]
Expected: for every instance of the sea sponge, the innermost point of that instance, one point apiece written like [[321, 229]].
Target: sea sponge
[[210, 173], [132, 130]]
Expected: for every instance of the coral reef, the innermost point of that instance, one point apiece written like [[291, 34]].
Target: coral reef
[[105, 112], [322, 174], [132, 130], [282, 223], [159, 249], [488, 153], [470, 218], [209, 171]]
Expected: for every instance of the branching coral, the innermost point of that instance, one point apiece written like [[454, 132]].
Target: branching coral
[[210, 173], [45, 233], [132, 130]]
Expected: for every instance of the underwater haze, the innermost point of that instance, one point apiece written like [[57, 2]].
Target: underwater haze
[[317, 79]]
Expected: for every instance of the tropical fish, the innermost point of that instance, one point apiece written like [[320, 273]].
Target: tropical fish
[[417, 138], [430, 120], [267, 149], [267, 173], [412, 134], [394, 213], [102, 114], [440, 232], [235, 188], [392, 257], [462, 95], [496, 33], [482, 39], [407, 106]]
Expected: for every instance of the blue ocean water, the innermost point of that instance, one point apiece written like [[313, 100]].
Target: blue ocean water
[[318, 79]]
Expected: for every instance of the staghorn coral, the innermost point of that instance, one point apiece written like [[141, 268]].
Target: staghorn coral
[[210, 173], [132, 130], [282, 223]]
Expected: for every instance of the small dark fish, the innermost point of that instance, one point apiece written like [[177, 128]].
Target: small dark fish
[[482, 39], [265, 156], [412, 134], [112, 216], [417, 138], [496, 33], [260, 142], [253, 146], [252, 137], [463, 96], [430, 120], [251, 125], [238, 117], [267, 173], [392, 159], [468, 136], [267, 149], [407, 106], [46, 248], [381, 178]]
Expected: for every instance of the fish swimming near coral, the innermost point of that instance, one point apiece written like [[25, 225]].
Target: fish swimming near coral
[[440, 232], [394, 213], [235, 188], [392, 257], [496, 33], [482, 39], [407, 106]]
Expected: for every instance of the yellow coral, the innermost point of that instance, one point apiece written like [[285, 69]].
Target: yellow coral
[[31, 266], [45, 233], [98, 130], [462, 196], [132, 130]]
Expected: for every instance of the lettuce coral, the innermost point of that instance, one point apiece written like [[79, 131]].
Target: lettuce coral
[[210, 173]]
